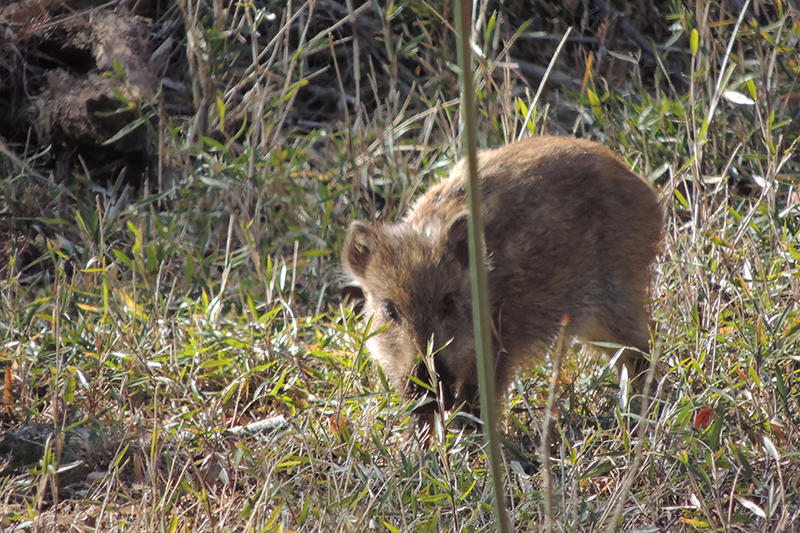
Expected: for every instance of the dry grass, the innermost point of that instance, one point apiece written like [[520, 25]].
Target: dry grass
[[143, 340]]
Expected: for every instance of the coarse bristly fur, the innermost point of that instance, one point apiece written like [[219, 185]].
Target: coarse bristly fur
[[569, 231]]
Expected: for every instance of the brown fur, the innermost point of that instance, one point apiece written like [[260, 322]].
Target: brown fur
[[569, 230]]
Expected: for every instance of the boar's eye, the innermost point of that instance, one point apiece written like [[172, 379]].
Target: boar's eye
[[449, 304], [390, 311]]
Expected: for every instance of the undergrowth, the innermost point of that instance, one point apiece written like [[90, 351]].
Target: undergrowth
[[180, 359]]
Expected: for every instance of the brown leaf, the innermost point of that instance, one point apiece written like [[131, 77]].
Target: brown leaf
[[8, 394]]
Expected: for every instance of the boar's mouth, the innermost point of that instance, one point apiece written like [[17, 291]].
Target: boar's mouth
[[444, 381]]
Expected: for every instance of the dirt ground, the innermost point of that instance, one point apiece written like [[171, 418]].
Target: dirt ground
[[73, 84], [81, 80]]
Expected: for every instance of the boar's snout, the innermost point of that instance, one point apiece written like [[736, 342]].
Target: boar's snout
[[445, 382]]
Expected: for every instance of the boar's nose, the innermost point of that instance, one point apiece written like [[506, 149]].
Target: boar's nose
[[424, 334], [444, 382]]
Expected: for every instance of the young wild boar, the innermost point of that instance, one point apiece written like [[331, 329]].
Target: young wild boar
[[569, 230]]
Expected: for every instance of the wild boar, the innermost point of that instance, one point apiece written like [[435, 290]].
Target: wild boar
[[569, 231]]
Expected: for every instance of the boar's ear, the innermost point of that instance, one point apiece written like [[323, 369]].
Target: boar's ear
[[358, 247], [458, 239]]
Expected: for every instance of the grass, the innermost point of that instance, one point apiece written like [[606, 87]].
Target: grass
[[142, 341]]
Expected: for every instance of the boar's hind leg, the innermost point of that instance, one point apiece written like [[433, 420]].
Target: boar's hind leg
[[624, 321], [631, 330]]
